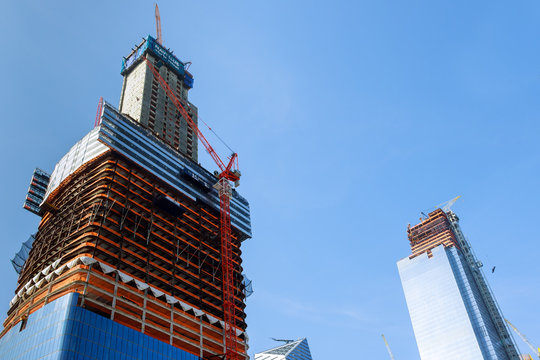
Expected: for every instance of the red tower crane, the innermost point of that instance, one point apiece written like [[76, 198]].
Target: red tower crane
[[229, 173], [159, 39]]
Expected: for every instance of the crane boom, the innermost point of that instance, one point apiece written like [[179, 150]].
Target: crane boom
[[535, 351], [159, 39], [388, 348], [225, 193]]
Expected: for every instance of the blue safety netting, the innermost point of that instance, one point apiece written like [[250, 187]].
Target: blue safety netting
[[248, 287], [20, 258]]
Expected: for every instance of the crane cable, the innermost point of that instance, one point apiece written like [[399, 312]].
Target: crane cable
[[220, 139]]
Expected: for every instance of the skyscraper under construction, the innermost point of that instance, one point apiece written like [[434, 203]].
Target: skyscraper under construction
[[453, 311], [129, 260]]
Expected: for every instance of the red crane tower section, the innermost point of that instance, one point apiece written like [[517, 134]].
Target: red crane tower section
[[227, 174], [159, 39]]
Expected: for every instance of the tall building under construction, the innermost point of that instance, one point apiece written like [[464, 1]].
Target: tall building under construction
[[128, 261], [453, 311]]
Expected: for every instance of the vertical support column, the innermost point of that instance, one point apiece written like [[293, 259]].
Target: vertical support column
[[201, 338], [48, 292], [171, 325], [86, 284], [143, 318], [114, 295]]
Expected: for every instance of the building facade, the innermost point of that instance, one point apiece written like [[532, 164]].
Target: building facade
[[144, 99], [127, 254], [453, 312], [292, 350]]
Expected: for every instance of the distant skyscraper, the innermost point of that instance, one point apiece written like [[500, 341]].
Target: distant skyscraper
[[453, 312], [295, 350]]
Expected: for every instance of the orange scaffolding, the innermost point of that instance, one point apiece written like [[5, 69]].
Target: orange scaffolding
[[431, 232]]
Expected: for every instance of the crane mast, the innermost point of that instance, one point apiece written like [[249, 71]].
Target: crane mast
[[224, 188], [159, 39]]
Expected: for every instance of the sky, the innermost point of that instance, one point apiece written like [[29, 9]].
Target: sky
[[349, 118]]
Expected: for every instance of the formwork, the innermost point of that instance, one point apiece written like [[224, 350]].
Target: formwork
[[430, 232]]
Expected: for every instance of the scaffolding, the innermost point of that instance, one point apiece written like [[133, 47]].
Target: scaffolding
[[433, 231]]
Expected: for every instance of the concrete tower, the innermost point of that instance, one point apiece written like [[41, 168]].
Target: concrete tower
[[453, 312], [144, 100]]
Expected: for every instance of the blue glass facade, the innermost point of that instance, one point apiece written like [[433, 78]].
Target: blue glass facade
[[449, 318], [63, 331]]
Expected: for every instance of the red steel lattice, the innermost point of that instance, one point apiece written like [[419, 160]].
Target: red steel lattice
[[225, 191]]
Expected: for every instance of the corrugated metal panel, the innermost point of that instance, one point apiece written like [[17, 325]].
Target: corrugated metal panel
[[83, 151], [137, 144]]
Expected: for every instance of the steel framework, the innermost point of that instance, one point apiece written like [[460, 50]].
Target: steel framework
[[118, 213]]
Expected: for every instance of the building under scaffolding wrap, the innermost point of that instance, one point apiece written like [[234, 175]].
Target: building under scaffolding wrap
[[453, 311], [128, 248]]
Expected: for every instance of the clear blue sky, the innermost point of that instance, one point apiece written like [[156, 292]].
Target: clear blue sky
[[349, 118]]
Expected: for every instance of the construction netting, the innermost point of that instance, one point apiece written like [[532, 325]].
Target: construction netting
[[20, 258]]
